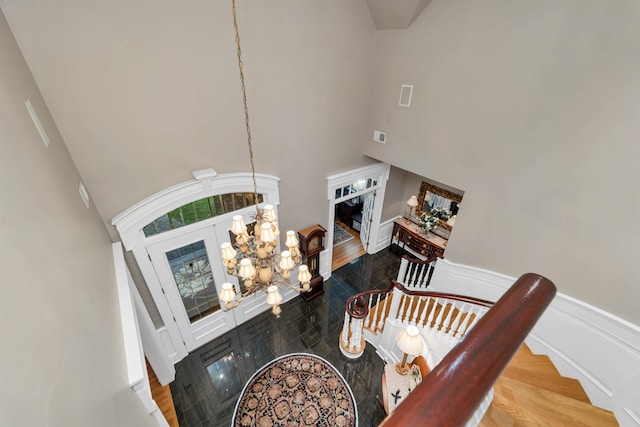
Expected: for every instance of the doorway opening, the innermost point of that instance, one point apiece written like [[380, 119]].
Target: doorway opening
[[355, 208], [347, 245]]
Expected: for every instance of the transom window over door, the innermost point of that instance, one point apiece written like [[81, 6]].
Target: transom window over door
[[200, 210]]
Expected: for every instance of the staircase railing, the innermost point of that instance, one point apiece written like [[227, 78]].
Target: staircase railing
[[416, 273], [452, 391], [408, 304]]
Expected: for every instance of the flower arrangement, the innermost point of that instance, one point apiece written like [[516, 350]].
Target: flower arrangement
[[429, 220]]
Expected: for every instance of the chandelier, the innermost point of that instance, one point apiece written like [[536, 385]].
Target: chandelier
[[253, 258]]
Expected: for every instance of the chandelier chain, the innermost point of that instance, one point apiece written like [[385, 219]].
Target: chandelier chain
[[244, 102]]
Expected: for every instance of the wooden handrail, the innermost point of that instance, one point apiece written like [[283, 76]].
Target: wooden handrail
[[423, 261], [357, 308], [451, 393]]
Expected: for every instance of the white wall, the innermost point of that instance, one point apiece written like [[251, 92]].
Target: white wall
[[531, 108], [62, 348]]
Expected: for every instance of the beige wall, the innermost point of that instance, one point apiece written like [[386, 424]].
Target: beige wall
[[62, 348], [531, 108], [145, 92]]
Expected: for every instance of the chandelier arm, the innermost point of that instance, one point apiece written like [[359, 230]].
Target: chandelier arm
[[246, 108]]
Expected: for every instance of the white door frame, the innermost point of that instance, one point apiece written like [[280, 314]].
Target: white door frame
[[341, 180], [202, 330], [130, 224]]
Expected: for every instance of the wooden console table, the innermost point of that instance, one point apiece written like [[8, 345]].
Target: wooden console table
[[412, 236]]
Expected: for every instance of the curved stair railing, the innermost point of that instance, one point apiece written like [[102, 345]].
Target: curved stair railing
[[406, 302], [454, 389]]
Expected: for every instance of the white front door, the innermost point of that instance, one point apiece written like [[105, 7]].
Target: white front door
[[367, 219], [257, 302], [191, 274]]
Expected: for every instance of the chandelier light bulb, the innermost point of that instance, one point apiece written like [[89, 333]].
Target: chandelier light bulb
[[286, 262], [268, 214], [267, 235], [238, 226], [303, 274], [273, 296], [292, 239], [228, 292], [247, 271], [228, 253]]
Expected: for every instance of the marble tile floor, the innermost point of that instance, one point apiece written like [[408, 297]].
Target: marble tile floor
[[209, 381]]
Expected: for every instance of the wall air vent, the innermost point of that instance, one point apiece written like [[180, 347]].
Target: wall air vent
[[37, 122], [84, 194], [380, 137], [405, 95]]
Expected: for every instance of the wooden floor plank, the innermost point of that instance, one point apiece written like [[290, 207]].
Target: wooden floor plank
[[162, 395], [346, 252]]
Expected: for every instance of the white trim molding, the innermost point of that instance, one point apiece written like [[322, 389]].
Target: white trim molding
[[584, 342], [334, 182], [134, 354], [131, 221]]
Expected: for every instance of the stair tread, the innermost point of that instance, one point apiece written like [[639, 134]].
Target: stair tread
[[548, 380], [518, 404], [537, 362]]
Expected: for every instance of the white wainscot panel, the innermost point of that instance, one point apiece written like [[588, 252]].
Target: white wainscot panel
[[584, 342], [464, 280], [170, 351]]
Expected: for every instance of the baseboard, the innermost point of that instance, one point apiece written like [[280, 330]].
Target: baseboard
[[599, 349]]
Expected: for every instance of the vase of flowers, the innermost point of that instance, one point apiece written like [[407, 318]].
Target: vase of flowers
[[429, 220]]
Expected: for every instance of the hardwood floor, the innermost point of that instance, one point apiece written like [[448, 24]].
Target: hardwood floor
[[348, 251], [162, 396]]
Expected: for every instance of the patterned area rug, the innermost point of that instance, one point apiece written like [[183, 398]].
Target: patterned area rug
[[340, 235], [296, 390]]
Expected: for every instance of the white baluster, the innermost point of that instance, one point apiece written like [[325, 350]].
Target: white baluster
[[385, 310], [402, 270], [356, 335], [438, 325], [447, 321], [413, 275], [395, 303], [372, 323], [456, 322], [416, 312], [479, 314], [400, 315], [464, 322], [424, 310], [421, 276], [410, 308], [367, 320], [430, 323], [345, 330]]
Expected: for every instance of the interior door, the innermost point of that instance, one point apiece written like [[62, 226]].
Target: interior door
[[191, 274], [367, 218]]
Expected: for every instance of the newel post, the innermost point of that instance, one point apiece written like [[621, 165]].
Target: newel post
[[352, 343]]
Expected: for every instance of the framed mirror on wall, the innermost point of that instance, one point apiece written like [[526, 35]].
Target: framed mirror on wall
[[438, 202]]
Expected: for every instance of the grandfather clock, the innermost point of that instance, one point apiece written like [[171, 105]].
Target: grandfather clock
[[311, 244]]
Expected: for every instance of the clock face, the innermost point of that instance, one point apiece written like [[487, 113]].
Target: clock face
[[314, 244]]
